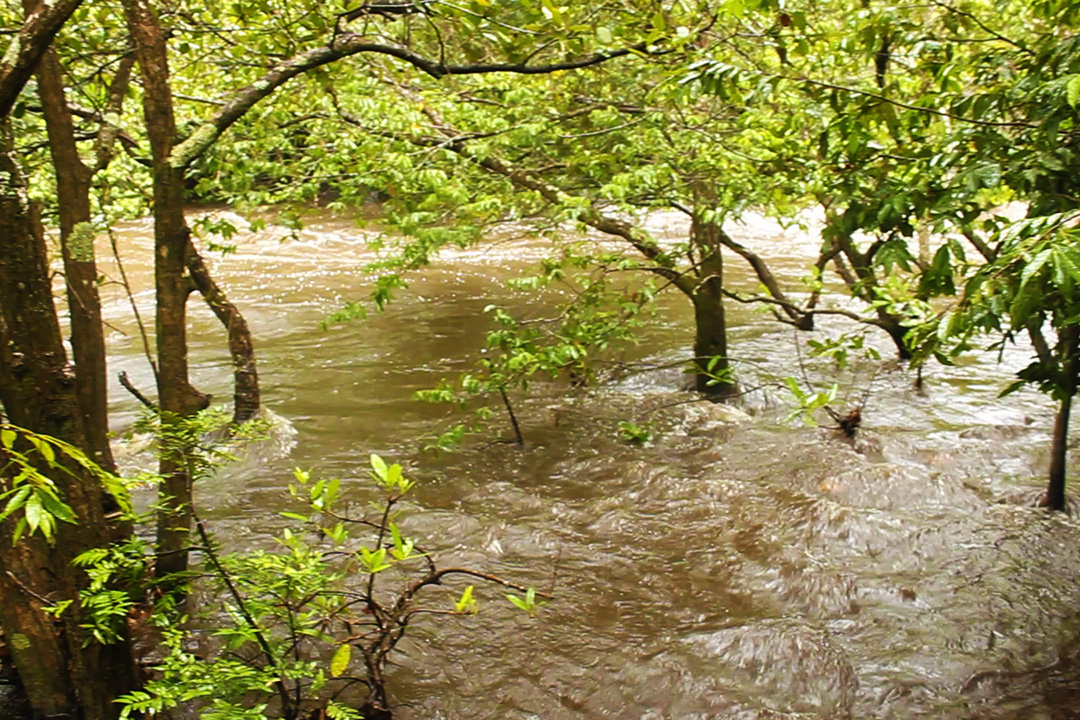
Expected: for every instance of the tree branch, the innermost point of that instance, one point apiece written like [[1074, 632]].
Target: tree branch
[[908, 106], [765, 276], [344, 46], [589, 214], [25, 49], [800, 313]]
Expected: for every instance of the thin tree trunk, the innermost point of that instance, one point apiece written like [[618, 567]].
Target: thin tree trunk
[[1055, 489], [513, 418], [246, 397], [80, 270], [176, 396], [710, 324], [1059, 447]]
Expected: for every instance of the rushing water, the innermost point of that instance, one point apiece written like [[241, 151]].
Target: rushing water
[[738, 566]]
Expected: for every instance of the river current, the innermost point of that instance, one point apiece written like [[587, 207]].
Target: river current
[[737, 566]]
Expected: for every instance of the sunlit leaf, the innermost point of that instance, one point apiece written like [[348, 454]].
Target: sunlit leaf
[[340, 662]]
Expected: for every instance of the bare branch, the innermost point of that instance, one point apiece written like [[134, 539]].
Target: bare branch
[[765, 276]]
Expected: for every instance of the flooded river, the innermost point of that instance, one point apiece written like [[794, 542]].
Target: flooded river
[[737, 566]]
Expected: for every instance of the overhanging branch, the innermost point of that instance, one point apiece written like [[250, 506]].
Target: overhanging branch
[[344, 46], [589, 214]]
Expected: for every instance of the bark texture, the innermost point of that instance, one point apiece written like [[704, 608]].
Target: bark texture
[[246, 397], [80, 269], [176, 396], [710, 323], [65, 673]]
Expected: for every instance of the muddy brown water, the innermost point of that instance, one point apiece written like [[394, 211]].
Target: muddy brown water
[[737, 566]]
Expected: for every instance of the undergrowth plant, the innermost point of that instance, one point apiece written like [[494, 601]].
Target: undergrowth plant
[[600, 315], [288, 633]]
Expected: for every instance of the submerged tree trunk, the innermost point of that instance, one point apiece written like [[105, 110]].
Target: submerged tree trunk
[[710, 324], [176, 396], [1070, 350], [710, 341], [246, 397], [1055, 489], [80, 270], [65, 672]]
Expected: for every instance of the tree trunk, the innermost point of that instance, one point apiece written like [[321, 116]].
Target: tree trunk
[[66, 673], [80, 271], [176, 396], [891, 324], [1055, 489], [246, 397], [710, 325], [710, 340], [1059, 447]]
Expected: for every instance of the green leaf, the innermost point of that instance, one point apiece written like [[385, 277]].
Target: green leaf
[[340, 662], [374, 561], [55, 507], [379, 466], [518, 602], [393, 474], [1034, 266], [20, 528], [1067, 261], [16, 502], [604, 35], [1072, 91], [7, 437], [35, 514], [467, 603], [44, 448], [1012, 388], [551, 11]]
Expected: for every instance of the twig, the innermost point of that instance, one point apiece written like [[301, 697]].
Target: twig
[[513, 418], [241, 606], [131, 300], [43, 600], [126, 382]]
